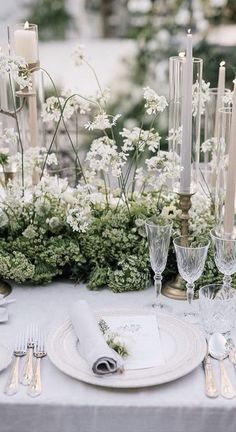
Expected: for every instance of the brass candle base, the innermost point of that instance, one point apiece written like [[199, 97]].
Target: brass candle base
[[5, 288], [175, 288]]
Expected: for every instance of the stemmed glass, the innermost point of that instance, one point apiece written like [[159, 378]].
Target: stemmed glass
[[225, 257], [158, 236], [191, 255]]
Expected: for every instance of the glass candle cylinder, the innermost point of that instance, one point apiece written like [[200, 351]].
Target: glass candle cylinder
[[177, 119], [210, 132], [220, 164], [25, 43]]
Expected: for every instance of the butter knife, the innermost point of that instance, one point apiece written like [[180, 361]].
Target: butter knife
[[211, 389]]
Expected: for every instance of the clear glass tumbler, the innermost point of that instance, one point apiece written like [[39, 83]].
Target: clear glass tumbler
[[158, 236], [217, 309]]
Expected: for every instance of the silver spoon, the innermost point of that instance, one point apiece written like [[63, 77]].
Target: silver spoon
[[218, 350]]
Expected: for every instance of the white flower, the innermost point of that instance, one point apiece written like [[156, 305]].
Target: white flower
[[102, 121], [17, 68], [103, 156], [170, 212], [175, 136], [76, 103], [78, 55], [200, 97], [228, 98], [9, 137], [140, 139], [154, 103], [54, 222], [79, 218], [53, 107], [29, 232], [209, 145], [162, 168]]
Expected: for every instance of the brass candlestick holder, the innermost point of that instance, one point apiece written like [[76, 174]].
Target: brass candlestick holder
[[175, 288]]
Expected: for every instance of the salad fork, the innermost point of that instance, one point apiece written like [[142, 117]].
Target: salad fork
[[27, 374], [12, 384], [35, 387]]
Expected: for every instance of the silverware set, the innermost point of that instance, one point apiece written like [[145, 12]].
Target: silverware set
[[219, 348], [29, 344]]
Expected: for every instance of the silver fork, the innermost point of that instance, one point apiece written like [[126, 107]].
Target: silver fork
[[35, 387], [27, 373], [12, 384]]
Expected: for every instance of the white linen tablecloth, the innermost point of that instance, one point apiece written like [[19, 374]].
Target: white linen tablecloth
[[67, 405]]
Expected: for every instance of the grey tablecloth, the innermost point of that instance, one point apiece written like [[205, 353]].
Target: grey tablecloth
[[67, 405]]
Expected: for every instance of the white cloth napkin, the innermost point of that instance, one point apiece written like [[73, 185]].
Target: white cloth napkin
[[92, 345], [3, 311]]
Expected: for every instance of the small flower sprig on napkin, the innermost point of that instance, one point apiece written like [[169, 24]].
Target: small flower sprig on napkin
[[113, 339]]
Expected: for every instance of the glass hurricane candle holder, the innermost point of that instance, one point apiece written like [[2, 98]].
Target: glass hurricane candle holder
[[24, 43], [177, 115], [158, 236], [211, 106]]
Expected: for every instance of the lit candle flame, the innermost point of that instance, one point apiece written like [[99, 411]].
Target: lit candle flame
[[222, 63], [189, 31], [182, 54], [26, 26]]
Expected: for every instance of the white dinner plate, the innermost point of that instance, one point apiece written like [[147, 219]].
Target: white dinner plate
[[5, 357], [184, 348]]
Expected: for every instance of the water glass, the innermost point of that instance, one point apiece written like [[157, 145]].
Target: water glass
[[191, 255], [217, 309], [158, 236], [225, 256]]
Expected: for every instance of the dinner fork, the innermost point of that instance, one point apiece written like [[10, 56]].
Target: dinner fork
[[35, 387], [12, 384], [27, 374]]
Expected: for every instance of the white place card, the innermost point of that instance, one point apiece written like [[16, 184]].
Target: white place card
[[141, 335]]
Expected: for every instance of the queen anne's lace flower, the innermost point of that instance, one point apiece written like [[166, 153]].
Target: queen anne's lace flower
[[154, 102], [102, 121], [76, 103], [52, 109], [78, 55], [8, 137], [17, 68], [103, 156], [140, 139], [200, 97]]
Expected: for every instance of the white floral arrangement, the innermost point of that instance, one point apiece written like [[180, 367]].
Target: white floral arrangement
[[93, 230]]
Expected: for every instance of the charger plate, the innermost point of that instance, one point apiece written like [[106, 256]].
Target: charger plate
[[184, 348], [5, 357]]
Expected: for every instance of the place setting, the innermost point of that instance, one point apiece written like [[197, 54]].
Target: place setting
[[118, 217]]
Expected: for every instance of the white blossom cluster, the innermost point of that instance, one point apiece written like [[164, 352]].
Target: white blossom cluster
[[79, 55], [8, 138], [200, 97], [139, 139], [103, 156], [17, 68], [102, 121], [154, 102]]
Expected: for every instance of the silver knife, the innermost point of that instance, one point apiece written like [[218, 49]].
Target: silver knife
[[211, 389]]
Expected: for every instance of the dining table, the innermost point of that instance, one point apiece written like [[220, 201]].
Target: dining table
[[70, 405]]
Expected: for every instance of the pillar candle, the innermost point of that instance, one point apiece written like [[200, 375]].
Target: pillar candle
[[26, 43], [231, 174], [185, 176], [220, 94]]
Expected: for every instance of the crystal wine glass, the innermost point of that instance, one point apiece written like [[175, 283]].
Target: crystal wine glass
[[158, 236], [191, 255], [225, 256]]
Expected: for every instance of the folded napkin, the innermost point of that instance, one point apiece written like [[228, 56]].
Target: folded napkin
[[92, 345], [3, 311]]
